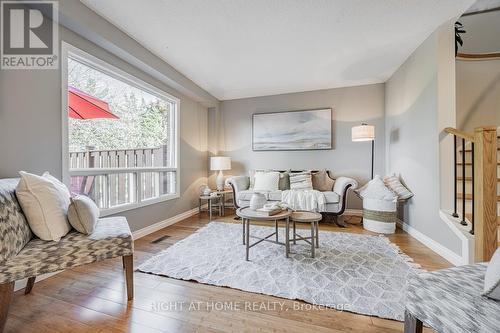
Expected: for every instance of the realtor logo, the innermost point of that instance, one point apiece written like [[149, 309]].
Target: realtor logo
[[29, 35]]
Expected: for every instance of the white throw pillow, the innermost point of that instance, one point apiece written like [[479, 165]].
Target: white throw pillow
[[266, 181], [83, 214], [492, 277], [376, 189], [45, 204]]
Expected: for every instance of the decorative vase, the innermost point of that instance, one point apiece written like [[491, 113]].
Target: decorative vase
[[257, 201]]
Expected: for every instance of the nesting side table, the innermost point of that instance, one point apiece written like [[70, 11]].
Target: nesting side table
[[212, 201], [307, 217]]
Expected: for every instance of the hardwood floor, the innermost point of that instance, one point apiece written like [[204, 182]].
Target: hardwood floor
[[94, 298]]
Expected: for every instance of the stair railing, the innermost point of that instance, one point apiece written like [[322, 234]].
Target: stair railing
[[484, 181]]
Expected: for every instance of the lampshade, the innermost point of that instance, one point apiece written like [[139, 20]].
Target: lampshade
[[220, 163], [363, 132]]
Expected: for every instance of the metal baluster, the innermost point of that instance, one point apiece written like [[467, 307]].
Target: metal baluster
[[473, 190], [463, 222], [455, 214]]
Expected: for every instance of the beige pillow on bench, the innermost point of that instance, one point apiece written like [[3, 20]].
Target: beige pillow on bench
[[83, 214], [44, 201]]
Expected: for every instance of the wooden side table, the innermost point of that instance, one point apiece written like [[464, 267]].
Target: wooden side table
[[210, 201], [247, 214], [307, 217]]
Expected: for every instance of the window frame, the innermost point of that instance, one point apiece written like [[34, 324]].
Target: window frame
[[70, 51]]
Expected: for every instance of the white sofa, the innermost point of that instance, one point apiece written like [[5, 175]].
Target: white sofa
[[335, 199]]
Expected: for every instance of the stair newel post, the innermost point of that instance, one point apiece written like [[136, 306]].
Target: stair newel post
[[455, 214], [485, 192], [463, 222]]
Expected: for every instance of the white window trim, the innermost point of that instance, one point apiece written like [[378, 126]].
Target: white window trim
[[68, 50]]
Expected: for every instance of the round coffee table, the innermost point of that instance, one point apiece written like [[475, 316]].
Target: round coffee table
[[307, 217], [247, 214]]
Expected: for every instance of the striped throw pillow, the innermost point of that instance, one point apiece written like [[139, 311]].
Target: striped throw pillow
[[393, 183], [301, 181]]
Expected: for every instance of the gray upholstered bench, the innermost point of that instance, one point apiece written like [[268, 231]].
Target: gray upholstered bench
[[23, 256], [450, 301]]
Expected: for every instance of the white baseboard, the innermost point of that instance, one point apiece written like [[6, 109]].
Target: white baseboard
[[444, 252], [165, 223]]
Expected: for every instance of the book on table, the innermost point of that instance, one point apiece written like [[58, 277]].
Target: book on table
[[270, 212]]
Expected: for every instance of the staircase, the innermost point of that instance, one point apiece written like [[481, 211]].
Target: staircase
[[468, 182], [477, 190]]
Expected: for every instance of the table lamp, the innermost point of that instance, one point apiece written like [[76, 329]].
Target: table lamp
[[364, 132], [220, 163]]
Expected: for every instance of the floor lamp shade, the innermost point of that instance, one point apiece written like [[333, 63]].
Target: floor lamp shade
[[364, 132], [220, 163]]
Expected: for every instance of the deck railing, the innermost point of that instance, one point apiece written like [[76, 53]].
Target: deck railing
[[122, 176], [483, 175]]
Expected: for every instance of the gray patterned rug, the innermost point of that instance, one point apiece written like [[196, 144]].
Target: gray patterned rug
[[358, 273]]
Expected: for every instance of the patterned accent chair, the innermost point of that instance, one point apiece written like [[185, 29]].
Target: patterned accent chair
[[24, 256]]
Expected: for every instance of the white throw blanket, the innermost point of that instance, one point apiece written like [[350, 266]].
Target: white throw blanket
[[310, 200]]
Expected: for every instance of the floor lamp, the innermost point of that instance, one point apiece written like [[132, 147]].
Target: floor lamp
[[364, 132]]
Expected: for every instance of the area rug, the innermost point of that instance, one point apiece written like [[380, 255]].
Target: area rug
[[357, 273]]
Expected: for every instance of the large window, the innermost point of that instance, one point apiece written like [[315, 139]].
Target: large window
[[120, 135]]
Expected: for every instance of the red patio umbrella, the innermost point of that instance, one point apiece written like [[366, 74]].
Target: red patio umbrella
[[84, 106]]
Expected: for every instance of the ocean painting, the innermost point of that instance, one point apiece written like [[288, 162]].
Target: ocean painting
[[293, 130]]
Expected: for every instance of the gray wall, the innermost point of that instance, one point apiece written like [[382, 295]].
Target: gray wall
[[478, 94], [419, 104], [31, 138], [478, 82], [350, 107]]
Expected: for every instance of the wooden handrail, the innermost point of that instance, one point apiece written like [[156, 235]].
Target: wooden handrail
[[478, 56], [459, 133]]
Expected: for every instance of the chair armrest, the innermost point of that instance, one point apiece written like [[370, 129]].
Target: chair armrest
[[238, 183], [342, 184]]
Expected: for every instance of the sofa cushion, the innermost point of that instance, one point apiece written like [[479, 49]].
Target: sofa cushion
[[15, 232], [246, 195], [275, 195], [111, 238], [331, 197]]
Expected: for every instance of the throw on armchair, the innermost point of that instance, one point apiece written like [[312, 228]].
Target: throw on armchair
[[335, 199]]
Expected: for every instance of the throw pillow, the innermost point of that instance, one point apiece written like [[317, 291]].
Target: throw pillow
[[266, 181], [322, 182], [376, 189], [252, 174], [301, 181], [83, 214], [395, 185], [284, 183], [492, 277], [45, 205]]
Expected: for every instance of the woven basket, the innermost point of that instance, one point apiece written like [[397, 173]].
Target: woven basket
[[380, 215]]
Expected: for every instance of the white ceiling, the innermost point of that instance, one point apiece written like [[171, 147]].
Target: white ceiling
[[242, 48]]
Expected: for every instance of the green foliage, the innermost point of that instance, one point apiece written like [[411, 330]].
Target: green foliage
[[143, 118]]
